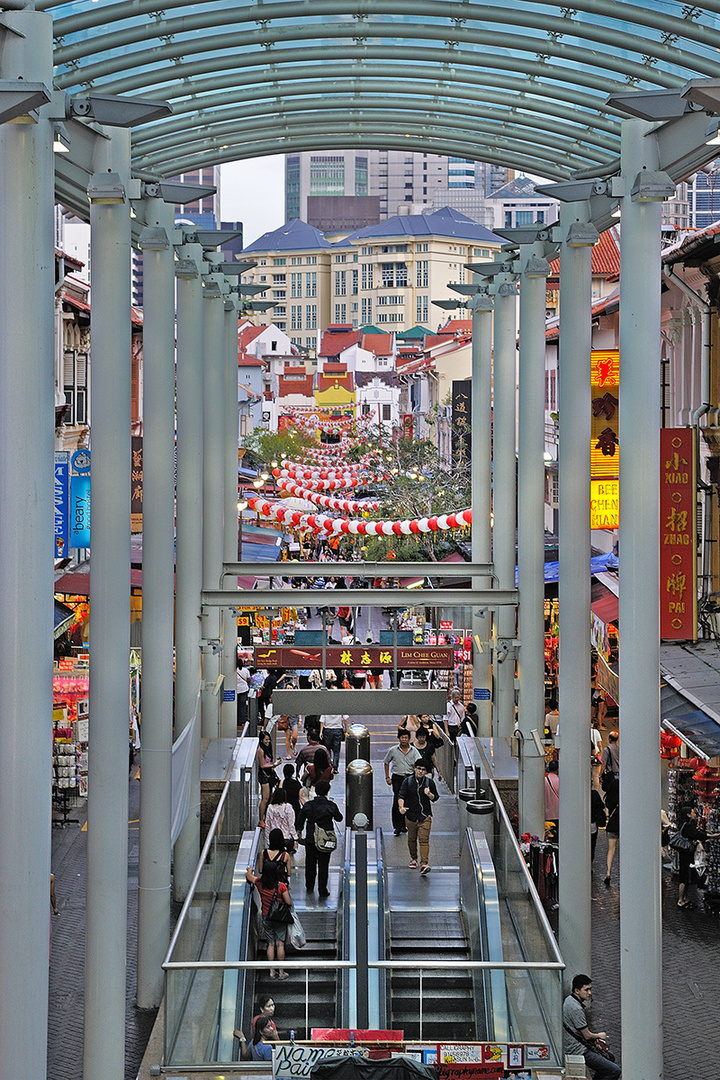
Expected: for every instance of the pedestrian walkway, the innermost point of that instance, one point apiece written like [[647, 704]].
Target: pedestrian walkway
[[689, 950]]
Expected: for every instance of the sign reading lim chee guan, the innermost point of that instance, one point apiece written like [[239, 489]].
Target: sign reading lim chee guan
[[437, 657], [678, 536]]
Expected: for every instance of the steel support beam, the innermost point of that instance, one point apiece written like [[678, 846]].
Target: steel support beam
[[26, 550], [639, 434], [392, 598], [157, 625], [107, 842], [481, 307], [188, 582], [574, 591], [230, 520], [367, 703], [364, 570], [504, 495], [531, 534]]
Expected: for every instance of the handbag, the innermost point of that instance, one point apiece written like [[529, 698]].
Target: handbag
[[325, 839], [678, 842], [279, 911], [296, 934]]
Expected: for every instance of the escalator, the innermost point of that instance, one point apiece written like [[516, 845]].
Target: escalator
[[437, 936]]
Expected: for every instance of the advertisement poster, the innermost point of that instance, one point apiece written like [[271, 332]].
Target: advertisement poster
[[79, 511], [62, 497]]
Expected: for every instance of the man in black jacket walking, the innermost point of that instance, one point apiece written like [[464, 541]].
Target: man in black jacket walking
[[417, 794], [318, 811]]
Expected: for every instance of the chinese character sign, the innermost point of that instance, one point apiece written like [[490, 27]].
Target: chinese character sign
[[136, 485], [604, 445], [678, 539], [461, 421]]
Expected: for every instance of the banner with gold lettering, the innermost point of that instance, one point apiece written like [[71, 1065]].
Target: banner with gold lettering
[[678, 537], [604, 445]]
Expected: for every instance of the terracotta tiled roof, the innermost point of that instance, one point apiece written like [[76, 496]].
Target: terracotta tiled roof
[[251, 361], [294, 385], [248, 334], [690, 243], [379, 344], [333, 344], [456, 326]]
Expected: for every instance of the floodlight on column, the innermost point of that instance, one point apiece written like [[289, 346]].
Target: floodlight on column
[[448, 305], [652, 186], [117, 111], [106, 188], [466, 290], [582, 234], [186, 268], [153, 238], [536, 267], [61, 139]]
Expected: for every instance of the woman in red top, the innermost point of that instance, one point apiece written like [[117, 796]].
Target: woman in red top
[[267, 885]]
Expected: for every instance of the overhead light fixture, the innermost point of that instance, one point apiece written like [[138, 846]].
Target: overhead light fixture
[[652, 186], [153, 238], [61, 139], [582, 234], [536, 267], [106, 189]]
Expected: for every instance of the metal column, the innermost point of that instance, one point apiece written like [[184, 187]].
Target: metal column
[[230, 525], [578, 236], [481, 307], [107, 843], [504, 490], [188, 583], [26, 551], [639, 436], [214, 353], [157, 626], [531, 534]]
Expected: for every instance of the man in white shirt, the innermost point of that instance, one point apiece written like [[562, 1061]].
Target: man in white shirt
[[242, 685], [454, 716], [332, 730]]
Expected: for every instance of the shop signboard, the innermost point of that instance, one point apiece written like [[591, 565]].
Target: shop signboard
[[605, 504], [293, 1061], [417, 657], [62, 497], [461, 421], [605, 384], [80, 511], [136, 485], [678, 540]]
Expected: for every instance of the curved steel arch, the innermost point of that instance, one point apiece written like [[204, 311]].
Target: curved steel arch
[[496, 80]]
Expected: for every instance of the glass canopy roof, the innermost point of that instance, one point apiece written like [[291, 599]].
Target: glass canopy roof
[[520, 84]]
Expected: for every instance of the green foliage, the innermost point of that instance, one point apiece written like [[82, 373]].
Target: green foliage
[[268, 446]]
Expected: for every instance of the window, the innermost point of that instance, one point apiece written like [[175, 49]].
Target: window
[[279, 279], [311, 316], [421, 271], [296, 284], [401, 275], [421, 247], [279, 294], [312, 260], [366, 275], [354, 283], [524, 217], [340, 258], [340, 283], [75, 386], [390, 300], [387, 412], [279, 262], [295, 317], [340, 313], [482, 253], [296, 261], [311, 283], [273, 346], [421, 309], [366, 309]]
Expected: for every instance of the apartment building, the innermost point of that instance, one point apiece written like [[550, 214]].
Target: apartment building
[[386, 275]]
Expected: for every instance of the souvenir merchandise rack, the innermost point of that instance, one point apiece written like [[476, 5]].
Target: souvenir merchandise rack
[[681, 789], [71, 685], [712, 881], [65, 768]]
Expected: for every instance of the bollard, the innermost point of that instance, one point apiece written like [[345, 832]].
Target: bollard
[[465, 796], [477, 810], [357, 743], [359, 791]]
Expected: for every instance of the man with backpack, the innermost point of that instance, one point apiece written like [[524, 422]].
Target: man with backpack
[[316, 817]]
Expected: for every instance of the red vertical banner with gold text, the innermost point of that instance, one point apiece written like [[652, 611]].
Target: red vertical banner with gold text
[[678, 539]]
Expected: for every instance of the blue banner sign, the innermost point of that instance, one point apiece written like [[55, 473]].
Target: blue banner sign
[[62, 494], [79, 511], [481, 694]]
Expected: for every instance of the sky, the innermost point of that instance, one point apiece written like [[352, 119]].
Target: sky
[[253, 192]]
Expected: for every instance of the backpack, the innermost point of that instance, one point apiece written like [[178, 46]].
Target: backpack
[[325, 839]]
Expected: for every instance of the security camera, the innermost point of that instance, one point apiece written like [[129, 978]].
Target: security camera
[[369, 639]]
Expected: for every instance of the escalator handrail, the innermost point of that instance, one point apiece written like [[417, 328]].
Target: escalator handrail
[[486, 900], [346, 943], [381, 923]]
